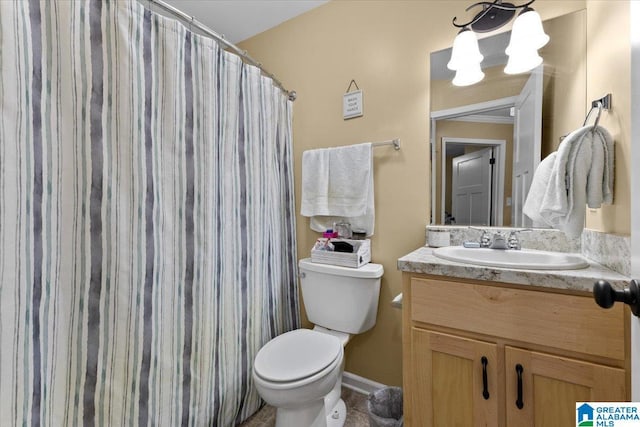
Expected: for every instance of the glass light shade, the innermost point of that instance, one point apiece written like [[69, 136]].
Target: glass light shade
[[527, 33], [465, 51], [470, 74], [523, 61]]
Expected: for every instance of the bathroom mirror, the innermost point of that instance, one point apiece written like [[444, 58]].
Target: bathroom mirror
[[472, 125]]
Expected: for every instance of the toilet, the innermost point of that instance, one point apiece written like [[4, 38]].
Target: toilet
[[300, 372]]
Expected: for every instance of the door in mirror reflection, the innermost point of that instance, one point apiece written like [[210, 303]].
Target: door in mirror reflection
[[471, 187], [527, 140]]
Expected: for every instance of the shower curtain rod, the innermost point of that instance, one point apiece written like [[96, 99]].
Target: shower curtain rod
[[192, 22]]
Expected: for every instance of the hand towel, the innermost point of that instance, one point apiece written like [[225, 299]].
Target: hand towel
[[365, 222], [567, 184], [580, 174], [315, 181], [600, 178], [539, 183], [337, 185]]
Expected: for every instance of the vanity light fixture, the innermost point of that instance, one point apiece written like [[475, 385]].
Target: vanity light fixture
[[527, 36], [466, 59]]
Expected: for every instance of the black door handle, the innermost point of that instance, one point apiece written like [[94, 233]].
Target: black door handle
[[485, 382], [519, 401], [606, 296]]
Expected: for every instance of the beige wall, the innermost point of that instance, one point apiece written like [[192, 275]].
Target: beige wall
[[564, 96], [385, 46], [495, 85], [609, 71]]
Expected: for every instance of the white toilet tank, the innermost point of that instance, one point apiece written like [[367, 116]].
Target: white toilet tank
[[341, 298]]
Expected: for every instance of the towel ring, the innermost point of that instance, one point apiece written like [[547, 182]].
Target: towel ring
[[599, 107], [603, 103]]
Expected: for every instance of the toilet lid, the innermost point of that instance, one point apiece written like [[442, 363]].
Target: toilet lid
[[295, 355]]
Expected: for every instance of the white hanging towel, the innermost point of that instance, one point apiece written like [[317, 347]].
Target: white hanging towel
[[337, 185], [580, 173], [541, 178]]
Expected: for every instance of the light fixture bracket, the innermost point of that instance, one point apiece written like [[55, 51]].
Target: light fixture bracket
[[493, 15]]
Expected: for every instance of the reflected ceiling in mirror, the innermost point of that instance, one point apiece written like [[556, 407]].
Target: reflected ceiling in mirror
[[563, 109]]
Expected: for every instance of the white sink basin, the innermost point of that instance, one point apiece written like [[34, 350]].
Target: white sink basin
[[525, 259]]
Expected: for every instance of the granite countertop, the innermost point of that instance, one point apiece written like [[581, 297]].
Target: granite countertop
[[423, 261]]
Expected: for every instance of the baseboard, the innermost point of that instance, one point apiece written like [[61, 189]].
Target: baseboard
[[359, 384]]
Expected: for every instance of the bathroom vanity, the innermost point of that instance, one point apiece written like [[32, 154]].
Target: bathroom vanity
[[487, 346]]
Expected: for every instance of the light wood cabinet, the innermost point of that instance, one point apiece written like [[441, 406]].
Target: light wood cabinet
[[484, 354], [456, 380], [551, 386]]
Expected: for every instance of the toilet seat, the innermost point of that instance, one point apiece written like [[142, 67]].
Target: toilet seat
[[296, 355]]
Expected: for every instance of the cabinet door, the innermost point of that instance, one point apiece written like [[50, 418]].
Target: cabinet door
[[455, 381], [550, 386]]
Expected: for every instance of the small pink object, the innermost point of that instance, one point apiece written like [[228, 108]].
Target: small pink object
[[330, 234]]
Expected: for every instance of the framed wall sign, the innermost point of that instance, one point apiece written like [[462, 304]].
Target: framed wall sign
[[352, 103]]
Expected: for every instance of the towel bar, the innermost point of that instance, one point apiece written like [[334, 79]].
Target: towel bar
[[394, 142]]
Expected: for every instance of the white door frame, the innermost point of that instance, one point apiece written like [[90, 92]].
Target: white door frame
[[451, 113], [527, 144], [500, 146], [635, 189]]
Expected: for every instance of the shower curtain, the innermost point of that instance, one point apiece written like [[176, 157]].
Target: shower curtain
[[146, 219]]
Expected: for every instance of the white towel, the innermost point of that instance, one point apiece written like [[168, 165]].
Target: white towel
[[568, 183], [337, 185], [364, 222], [581, 174], [600, 178], [541, 177], [315, 181]]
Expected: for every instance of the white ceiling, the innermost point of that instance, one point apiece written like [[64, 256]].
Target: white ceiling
[[238, 20]]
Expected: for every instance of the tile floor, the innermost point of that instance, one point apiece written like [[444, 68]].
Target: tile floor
[[356, 412]]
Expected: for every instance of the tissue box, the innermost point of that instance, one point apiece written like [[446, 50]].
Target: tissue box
[[360, 256]]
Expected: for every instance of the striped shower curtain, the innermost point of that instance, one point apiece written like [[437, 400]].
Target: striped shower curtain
[[147, 245]]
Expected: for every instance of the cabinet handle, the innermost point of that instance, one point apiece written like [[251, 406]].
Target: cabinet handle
[[519, 402], [485, 385]]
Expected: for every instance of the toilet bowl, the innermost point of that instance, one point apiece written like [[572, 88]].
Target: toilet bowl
[[300, 372], [295, 372]]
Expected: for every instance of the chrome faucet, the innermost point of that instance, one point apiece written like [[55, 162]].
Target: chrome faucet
[[500, 240], [485, 239], [514, 242]]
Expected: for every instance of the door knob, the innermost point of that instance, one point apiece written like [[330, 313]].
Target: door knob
[[606, 296]]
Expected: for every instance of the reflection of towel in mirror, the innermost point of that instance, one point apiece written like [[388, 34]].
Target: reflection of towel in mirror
[[581, 174], [541, 178], [337, 185]]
